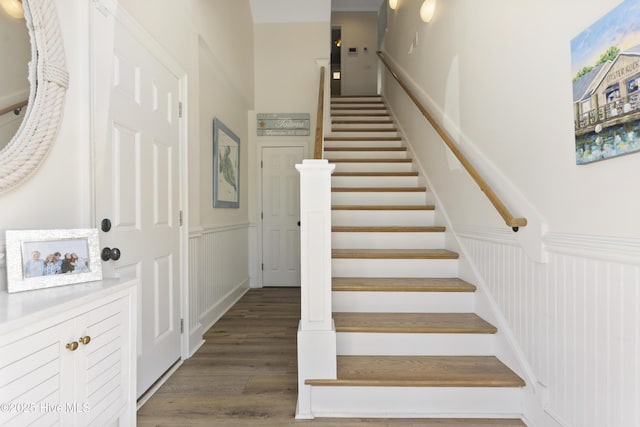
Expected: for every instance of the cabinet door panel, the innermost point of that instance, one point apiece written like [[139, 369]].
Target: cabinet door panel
[[102, 384], [31, 379]]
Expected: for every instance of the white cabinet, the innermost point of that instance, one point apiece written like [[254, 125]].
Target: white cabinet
[[71, 363]]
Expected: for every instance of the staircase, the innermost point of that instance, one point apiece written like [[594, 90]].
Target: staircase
[[408, 342]]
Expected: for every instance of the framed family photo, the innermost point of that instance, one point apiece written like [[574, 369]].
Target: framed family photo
[[38, 259], [226, 167]]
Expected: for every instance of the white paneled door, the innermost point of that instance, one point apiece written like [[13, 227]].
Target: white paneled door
[[137, 178], [281, 216]]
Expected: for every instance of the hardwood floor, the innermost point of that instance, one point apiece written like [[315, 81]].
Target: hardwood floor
[[245, 374]]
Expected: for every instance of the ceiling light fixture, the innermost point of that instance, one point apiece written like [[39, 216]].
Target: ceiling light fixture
[[13, 8], [427, 10]]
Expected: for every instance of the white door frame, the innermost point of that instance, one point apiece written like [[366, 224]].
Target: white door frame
[[109, 7], [259, 146]]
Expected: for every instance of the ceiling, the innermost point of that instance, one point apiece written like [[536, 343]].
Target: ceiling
[[270, 11], [356, 5]]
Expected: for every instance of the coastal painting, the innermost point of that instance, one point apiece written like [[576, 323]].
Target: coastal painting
[[226, 167], [605, 60]]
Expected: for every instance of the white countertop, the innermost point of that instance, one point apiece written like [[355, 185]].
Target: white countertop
[[23, 308]]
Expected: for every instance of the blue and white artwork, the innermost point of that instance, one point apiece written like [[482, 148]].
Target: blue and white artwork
[[605, 61]]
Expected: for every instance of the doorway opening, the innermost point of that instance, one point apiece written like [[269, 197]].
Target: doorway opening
[[336, 69]]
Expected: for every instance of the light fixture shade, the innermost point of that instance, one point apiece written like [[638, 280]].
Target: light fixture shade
[[393, 4], [427, 10], [13, 8]]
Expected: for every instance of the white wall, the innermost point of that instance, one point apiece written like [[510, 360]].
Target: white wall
[[359, 70], [498, 75], [505, 87], [286, 81]]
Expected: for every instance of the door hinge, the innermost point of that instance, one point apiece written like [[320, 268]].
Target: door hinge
[[262, 267], [180, 218], [261, 215], [180, 110], [181, 326], [261, 164]]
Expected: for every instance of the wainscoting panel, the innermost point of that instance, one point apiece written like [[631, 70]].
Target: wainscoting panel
[[218, 276], [576, 319]]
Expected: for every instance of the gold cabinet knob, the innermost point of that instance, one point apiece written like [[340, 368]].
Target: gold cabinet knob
[[85, 340], [72, 346]]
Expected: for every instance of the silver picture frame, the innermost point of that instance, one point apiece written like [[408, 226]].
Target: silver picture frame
[[38, 259]]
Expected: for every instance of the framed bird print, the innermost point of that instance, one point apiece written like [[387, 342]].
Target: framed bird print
[[226, 167]]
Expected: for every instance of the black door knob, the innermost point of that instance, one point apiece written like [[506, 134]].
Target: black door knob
[[115, 254], [105, 255], [298, 223], [105, 225], [110, 254]]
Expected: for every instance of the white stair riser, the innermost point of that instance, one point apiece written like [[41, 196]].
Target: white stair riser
[[372, 167], [336, 111], [417, 402], [382, 218], [388, 344], [387, 240], [362, 134], [356, 117], [337, 127], [366, 154], [394, 267], [375, 181], [411, 198], [388, 143], [403, 302]]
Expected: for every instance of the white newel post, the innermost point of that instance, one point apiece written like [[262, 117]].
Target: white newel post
[[316, 331]]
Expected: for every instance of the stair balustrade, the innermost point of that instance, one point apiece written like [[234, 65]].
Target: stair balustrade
[[316, 331]]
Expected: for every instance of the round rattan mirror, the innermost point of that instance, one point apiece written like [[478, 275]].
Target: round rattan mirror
[[49, 80]]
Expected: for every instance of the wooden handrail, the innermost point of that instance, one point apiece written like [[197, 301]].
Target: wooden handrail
[[317, 150], [13, 107], [509, 219]]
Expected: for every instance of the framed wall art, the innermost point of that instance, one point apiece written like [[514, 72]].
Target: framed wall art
[[39, 259], [606, 85], [226, 167]]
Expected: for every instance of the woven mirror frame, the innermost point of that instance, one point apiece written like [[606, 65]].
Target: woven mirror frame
[[49, 79]]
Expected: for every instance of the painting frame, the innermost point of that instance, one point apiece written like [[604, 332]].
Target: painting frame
[[226, 166], [27, 271], [605, 61]]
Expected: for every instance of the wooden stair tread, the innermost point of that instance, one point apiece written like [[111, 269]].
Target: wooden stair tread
[[365, 148], [370, 160], [425, 323], [362, 138], [342, 101], [393, 254], [354, 96], [409, 173], [387, 229], [421, 371], [377, 106], [401, 284], [378, 189], [368, 114], [383, 207]]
